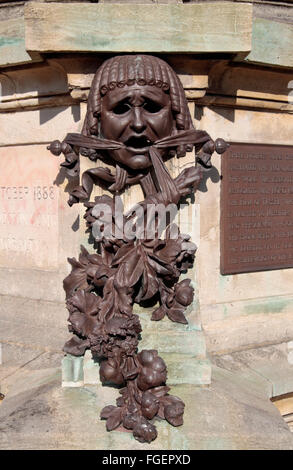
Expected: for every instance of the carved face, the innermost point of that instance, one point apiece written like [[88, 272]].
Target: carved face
[[137, 116]]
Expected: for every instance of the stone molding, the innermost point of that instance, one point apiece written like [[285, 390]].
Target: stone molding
[[156, 28], [258, 32], [65, 81]]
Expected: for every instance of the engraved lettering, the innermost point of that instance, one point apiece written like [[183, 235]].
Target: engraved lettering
[[256, 214]]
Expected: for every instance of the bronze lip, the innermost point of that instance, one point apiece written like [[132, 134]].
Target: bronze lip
[[138, 143]]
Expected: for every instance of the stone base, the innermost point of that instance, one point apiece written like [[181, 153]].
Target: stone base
[[232, 413]]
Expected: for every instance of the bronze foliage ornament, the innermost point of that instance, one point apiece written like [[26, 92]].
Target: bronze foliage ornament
[[137, 118]]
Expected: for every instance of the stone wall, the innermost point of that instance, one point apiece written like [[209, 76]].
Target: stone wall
[[245, 310]]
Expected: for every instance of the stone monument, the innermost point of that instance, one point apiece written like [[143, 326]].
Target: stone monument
[[137, 119]]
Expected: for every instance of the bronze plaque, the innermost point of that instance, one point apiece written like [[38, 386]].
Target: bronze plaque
[[256, 208]]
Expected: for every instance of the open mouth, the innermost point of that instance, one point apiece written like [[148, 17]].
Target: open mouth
[[138, 143]]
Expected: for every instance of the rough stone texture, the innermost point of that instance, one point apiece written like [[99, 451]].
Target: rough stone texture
[[285, 407], [191, 342], [271, 43], [272, 11], [230, 414], [12, 43], [186, 338], [271, 30], [29, 209], [271, 364], [41, 126], [247, 331], [145, 28], [34, 221], [35, 324], [21, 361], [14, 357], [187, 369]]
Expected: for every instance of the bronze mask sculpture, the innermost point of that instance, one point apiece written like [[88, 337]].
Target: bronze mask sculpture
[[137, 118]]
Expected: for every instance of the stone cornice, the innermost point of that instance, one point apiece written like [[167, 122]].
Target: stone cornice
[[252, 33]]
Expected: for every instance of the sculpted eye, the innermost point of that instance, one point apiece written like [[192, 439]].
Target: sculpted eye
[[151, 106], [121, 108]]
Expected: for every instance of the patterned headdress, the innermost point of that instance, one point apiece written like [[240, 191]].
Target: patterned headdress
[[126, 70]]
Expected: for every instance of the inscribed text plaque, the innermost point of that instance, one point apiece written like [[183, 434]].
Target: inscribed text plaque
[[28, 208], [256, 208]]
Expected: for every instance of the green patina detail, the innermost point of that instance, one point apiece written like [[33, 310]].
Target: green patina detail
[[271, 43], [192, 342], [270, 306], [183, 368], [223, 281], [72, 368], [145, 28], [177, 440], [225, 312], [4, 41], [12, 51], [219, 443]]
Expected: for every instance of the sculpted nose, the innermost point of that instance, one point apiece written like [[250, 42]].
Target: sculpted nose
[[138, 123]]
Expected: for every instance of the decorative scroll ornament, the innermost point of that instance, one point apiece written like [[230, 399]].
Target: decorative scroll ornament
[[137, 117]]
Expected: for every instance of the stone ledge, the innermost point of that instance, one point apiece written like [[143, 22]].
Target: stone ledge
[[31, 104], [245, 103], [248, 332], [191, 343], [248, 81], [272, 365], [228, 27], [188, 28], [64, 81], [12, 41], [271, 43], [33, 81], [233, 308]]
